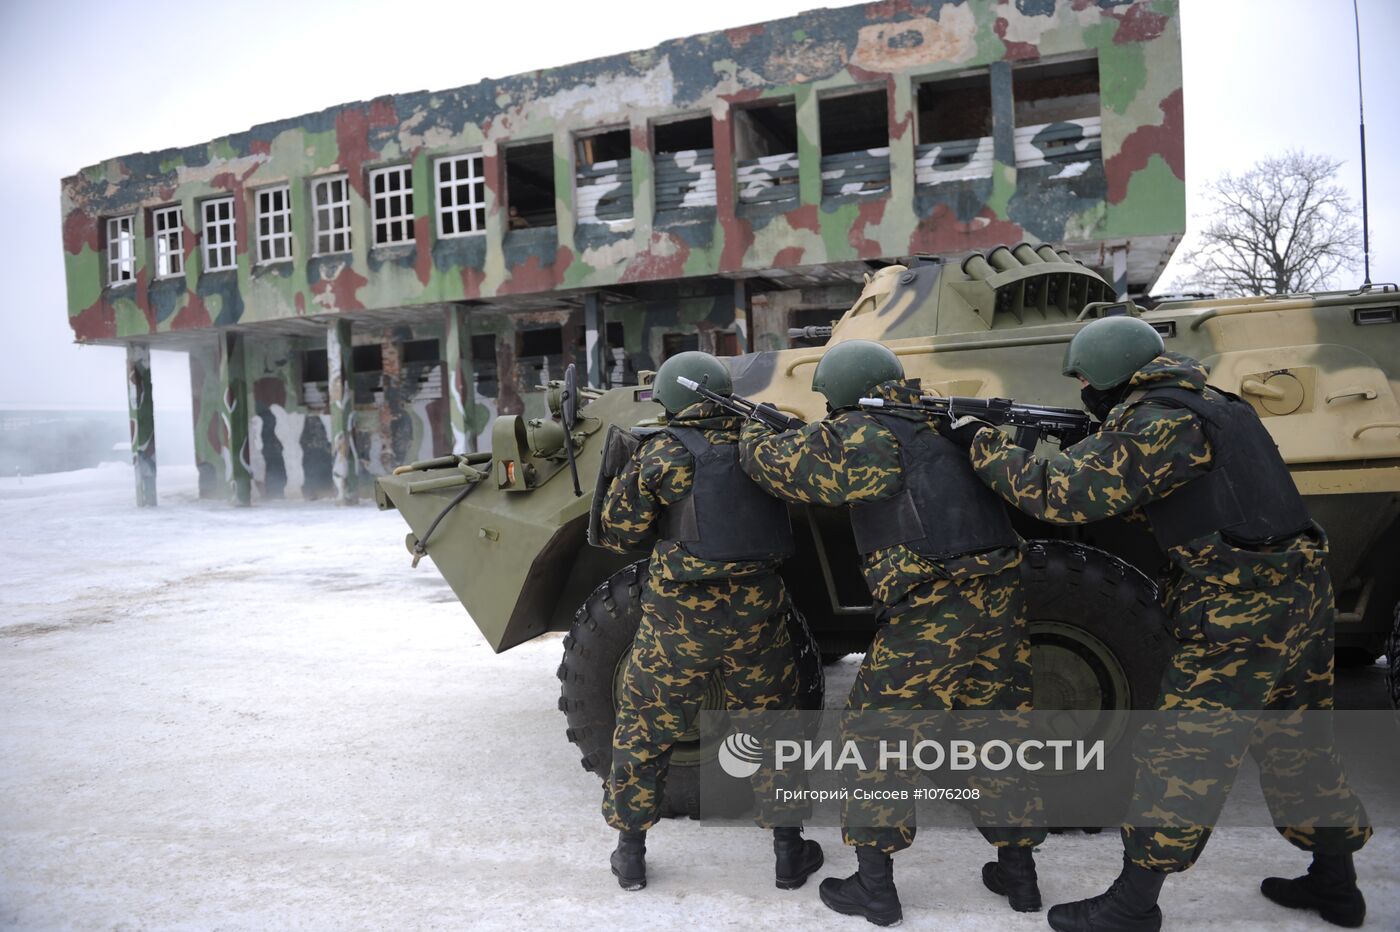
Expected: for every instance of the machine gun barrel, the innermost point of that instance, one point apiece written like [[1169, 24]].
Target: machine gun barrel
[[1067, 425], [738, 404]]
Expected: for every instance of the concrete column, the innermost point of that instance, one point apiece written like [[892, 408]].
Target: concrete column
[[141, 411], [809, 150], [238, 455], [742, 314], [344, 461], [1003, 114], [1120, 270], [461, 380], [595, 338]]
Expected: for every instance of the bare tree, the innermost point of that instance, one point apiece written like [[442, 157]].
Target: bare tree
[[1283, 226]]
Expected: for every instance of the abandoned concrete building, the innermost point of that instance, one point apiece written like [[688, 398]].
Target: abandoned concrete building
[[371, 284]]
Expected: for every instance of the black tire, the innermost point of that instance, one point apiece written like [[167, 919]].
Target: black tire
[[1098, 641], [1392, 657], [595, 648]]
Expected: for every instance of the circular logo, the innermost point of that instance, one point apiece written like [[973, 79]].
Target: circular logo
[[740, 755]]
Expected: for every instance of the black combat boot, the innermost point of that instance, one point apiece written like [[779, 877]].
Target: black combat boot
[[797, 858], [1012, 875], [629, 859], [1129, 905], [1329, 887], [869, 892]]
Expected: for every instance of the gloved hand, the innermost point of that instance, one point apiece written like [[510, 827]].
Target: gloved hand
[[962, 430]]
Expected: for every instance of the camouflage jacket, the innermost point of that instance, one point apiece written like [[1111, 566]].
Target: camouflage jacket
[[1141, 453], [660, 474], [848, 458]]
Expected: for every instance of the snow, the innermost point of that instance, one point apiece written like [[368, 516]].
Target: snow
[[260, 718]]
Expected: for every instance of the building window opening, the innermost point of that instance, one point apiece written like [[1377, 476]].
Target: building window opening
[[367, 369], [673, 343], [391, 204], [220, 244], [530, 186], [1057, 113], [315, 378], [330, 199], [955, 130], [765, 152], [603, 177], [274, 224], [726, 343], [684, 163], [167, 226], [855, 141], [420, 351], [121, 249], [461, 195], [484, 364], [546, 341]]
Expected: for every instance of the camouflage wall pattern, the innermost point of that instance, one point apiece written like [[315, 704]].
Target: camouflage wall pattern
[[717, 165]]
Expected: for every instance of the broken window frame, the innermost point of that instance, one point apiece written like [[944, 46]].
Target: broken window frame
[[1089, 145], [586, 176], [218, 237], [330, 213], [167, 229], [121, 249], [672, 180], [397, 202], [770, 179], [457, 195], [510, 153], [869, 167], [274, 245], [960, 166]]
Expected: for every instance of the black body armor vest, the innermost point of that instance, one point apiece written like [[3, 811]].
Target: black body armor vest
[[1248, 495], [726, 517], [943, 509]]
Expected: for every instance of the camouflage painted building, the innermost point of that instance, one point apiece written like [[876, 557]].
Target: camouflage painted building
[[369, 285]]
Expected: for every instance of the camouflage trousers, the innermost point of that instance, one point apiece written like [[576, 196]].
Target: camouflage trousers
[[732, 627], [952, 644], [1240, 649]]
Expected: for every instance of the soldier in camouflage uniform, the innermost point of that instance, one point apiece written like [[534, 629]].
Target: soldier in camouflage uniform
[[1248, 595], [713, 603], [941, 558]]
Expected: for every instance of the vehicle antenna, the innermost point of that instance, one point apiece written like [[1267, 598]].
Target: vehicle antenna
[[1361, 109]]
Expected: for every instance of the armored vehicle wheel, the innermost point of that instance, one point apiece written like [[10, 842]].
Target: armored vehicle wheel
[[1392, 657], [595, 651], [1098, 642]]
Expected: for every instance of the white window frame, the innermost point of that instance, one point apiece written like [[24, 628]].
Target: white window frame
[[330, 210], [218, 235], [392, 189], [457, 195], [121, 249], [167, 229], [273, 233]]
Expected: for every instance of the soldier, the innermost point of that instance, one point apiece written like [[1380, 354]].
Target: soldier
[[713, 603], [941, 559], [1248, 595]]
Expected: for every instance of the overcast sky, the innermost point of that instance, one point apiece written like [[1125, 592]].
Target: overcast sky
[[85, 81]]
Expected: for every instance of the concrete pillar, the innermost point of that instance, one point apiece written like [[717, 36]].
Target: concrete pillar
[[340, 366], [595, 339], [809, 150], [141, 412], [233, 381], [1120, 270], [742, 313], [461, 379], [1003, 114]]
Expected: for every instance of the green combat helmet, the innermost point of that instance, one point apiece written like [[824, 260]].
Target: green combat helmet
[[693, 365], [848, 371], [1108, 351]]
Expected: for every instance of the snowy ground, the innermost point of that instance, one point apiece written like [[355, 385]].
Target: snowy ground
[[261, 719]]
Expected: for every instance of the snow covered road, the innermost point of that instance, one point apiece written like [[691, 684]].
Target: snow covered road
[[262, 719]]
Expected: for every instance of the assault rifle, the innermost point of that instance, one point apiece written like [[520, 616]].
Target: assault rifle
[[1067, 425], [738, 404]]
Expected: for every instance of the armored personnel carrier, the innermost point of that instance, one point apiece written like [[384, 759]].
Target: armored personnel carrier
[[507, 529]]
